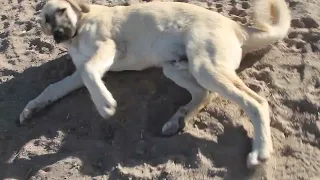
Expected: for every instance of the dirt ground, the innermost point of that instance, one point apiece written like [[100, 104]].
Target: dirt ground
[[69, 140]]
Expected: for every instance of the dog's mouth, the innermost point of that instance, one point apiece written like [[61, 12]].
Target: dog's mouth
[[61, 34]]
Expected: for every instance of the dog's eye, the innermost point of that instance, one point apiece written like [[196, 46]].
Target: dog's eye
[[61, 11], [47, 18]]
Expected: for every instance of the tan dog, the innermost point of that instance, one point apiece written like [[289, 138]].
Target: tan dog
[[157, 34]]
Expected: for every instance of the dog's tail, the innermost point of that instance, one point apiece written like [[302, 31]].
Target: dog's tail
[[265, 33]]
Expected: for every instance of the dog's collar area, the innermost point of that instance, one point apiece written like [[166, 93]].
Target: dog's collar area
[[75, 34]]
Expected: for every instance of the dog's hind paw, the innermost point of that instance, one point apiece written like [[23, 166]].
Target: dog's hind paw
[[170, 128]]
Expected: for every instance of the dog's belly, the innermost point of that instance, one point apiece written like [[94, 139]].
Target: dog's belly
[[143, 54], [131, 64]]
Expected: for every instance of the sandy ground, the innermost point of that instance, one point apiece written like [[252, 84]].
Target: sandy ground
[[69, 140]]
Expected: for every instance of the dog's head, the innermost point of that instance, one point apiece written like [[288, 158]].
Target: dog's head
[[59, 18]]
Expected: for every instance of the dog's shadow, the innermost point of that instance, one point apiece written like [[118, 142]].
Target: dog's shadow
[[130, 138]]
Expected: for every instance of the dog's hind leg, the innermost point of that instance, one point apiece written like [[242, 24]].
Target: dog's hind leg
[[226, 83], [212, 65], [52, 93], [200, 97]]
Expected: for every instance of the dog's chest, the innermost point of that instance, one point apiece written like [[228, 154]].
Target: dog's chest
[[80, 54]]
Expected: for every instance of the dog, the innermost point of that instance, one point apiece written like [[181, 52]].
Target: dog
[[157, 34]]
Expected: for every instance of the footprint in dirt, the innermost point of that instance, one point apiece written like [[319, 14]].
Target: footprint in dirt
[[239, 11], [304, 36], [41, 46], [4, 42]]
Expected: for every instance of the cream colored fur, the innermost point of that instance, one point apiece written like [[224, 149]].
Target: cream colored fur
[[156, 34]]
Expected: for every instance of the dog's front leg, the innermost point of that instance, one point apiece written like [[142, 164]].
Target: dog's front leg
[[52, 93], [91, 74]]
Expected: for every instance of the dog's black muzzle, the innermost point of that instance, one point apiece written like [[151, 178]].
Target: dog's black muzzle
[[61, 34]]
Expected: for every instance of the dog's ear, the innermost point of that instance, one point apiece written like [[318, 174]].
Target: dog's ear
[[79, 6], [44, 25]]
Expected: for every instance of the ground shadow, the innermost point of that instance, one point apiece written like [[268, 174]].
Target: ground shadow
[[132, 137]]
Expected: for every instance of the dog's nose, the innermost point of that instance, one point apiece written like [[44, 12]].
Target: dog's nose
[[58, 32]]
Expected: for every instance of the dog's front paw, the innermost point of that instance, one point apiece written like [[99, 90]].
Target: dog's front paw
[[27, 111], [259, 155], [107, 109], [106, 106]]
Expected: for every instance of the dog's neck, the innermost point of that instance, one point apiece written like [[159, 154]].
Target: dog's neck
[[76, 33], [78, 24]]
